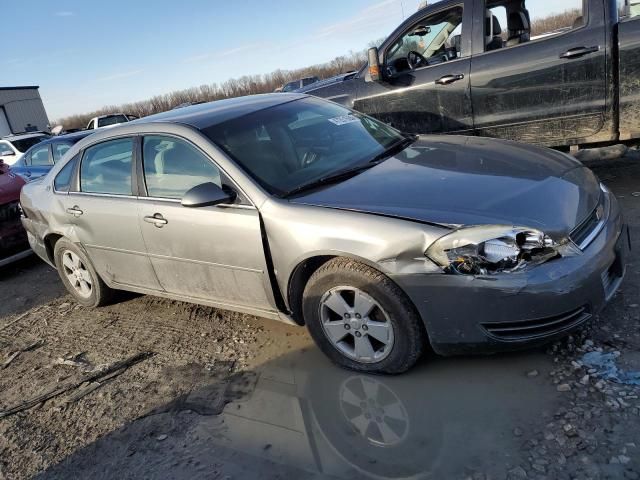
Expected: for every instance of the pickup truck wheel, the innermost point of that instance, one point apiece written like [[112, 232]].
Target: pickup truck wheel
[[361, 319], [78, 275]]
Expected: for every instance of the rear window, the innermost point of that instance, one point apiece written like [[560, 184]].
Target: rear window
[[111, 120]]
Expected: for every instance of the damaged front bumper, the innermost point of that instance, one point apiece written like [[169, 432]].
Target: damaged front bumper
[[491, 313]]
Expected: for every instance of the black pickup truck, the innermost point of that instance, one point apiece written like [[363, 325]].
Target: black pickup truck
[[550, 72]]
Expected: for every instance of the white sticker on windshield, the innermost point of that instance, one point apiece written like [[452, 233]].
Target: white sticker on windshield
[[344, 119]]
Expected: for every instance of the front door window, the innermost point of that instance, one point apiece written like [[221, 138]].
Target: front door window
[[433, 40]]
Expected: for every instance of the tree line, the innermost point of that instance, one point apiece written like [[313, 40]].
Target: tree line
[[235, 87]]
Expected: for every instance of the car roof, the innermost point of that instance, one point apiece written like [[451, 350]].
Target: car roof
[[73, 137], [213, 113]]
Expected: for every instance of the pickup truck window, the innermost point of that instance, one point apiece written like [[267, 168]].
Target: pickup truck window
[[111, 120], [435, 39], [535, 19]]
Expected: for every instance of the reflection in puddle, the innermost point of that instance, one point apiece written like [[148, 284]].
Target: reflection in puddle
[[442, 419], [374, 411]]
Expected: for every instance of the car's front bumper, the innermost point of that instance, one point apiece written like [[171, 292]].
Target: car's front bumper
[[467, 314]]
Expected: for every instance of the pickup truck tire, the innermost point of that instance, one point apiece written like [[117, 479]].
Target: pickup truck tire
[[78, 275], [361, 319]]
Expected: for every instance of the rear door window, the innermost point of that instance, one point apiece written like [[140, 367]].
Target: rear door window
[[106, 168], [173, 166], [59, 149], [40, 156]]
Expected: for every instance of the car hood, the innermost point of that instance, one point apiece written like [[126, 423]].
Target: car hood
[[471, 181]]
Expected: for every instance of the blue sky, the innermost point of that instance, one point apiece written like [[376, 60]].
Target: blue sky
[[87, 54]]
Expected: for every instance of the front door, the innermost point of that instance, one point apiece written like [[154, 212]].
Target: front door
[[539, 73], [105, 214], [210, 253], [425, 86]]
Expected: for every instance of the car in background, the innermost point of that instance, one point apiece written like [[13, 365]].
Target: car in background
[[12, 147], [296, 84], [39, 159], [110, 120], [13, 238], [295, 208]]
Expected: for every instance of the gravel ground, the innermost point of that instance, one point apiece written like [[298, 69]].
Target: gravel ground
[[140, 422]]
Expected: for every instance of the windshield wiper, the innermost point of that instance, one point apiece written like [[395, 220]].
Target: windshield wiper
[[333, 178], [352, 172], [394, 148]]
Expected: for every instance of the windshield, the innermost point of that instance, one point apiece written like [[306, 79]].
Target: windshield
[[291, 86], [25, 144], [111, 120], [293, 144]]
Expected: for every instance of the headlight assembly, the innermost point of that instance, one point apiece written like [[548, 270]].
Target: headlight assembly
[[490, 249]]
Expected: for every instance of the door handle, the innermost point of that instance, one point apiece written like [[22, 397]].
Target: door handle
[[449, 79], [157, 219], [579, 52], [75, 211]]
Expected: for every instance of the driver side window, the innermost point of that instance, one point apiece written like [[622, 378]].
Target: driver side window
[[435, 39]]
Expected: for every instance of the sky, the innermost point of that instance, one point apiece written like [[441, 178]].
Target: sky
[[87, 54]]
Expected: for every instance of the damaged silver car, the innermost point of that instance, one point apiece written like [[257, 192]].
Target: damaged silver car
[[294, 208]]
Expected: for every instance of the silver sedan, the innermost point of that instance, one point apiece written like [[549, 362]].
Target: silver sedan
[[297, 209]]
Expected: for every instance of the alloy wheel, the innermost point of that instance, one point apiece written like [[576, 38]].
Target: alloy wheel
[[356, 324], [76, 272]]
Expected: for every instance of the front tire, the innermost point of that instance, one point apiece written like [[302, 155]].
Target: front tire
[[362, 320], [78, 275]]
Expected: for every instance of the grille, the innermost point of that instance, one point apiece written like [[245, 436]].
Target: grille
[[539, 328]]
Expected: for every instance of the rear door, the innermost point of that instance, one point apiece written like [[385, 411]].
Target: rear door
[[430, 94], [104, 210], [545, 81], [39, 162], [211, 253]]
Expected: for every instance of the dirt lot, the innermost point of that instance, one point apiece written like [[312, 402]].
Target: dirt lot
[[225, 395]]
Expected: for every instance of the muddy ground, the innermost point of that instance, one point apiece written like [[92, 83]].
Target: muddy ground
[[226, 395]]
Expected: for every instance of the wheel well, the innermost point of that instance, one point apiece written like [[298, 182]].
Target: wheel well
[[50, 243], [298, 282]]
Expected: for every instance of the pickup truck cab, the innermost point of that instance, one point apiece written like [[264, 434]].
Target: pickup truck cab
[[107, 121], [539, 71]]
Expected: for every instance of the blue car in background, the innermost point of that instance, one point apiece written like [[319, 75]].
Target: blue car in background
[[39, 159]]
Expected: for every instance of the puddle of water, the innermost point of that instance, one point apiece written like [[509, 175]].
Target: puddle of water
[[438, 419]]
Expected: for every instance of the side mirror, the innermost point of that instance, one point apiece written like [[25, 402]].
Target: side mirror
[[7, 153], [206, 195], [374, 65], [420, 31]]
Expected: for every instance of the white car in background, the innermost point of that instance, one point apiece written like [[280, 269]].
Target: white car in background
[[110, 120], [12, 147]]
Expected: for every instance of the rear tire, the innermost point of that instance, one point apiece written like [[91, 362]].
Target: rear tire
[[78, 275], [362, 320]]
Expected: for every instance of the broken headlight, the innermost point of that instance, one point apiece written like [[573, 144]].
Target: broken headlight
[[492, 249]]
